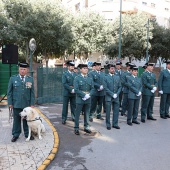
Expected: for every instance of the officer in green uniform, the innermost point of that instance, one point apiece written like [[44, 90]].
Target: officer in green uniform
[[98, 92], [134, 93], [113, 88], [20, 95], [124, 77], [83, 86], [119, 72], [68, 92], [164, 90], [149, 86]]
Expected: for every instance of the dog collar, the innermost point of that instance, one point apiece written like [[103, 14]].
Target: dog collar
[[37, 118]]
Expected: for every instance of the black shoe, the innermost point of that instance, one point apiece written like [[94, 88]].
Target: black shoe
[[14, 139], [167, 116], [151, 118], [63, 122], [116, 127], [108, 128], [163, 117], [135, 121], [143, 121], [129, 123], [32, 138], [91, 119], [76, 132], [123, 114], [87, 130]]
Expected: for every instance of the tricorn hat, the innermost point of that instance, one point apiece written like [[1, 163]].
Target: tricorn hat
[[98, 64], [167, 61], [135, 68], [82, 66], [23, 65], [70, 63]]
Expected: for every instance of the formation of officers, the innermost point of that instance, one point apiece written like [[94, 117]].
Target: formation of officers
[[89, 92]]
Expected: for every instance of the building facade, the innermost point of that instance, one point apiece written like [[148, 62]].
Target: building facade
[[110, 8]]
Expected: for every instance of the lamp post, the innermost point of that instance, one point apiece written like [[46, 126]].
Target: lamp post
[[120, 30], [147, 53], [32, 46]]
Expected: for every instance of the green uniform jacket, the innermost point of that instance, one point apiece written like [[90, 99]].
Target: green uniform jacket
[[20, 94], [82, 86], [112, 86], [135, 86], [98, 80], [148, 82], [67, 81], [164, 81], [124, 78]]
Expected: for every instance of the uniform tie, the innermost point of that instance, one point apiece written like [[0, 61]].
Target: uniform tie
[[22, 78]]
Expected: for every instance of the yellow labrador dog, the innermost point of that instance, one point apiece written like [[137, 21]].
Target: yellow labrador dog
[[34, 122]]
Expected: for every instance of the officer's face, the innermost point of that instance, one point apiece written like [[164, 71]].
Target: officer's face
[[168, 66], [118, 67], [94, 68], [84, 70], [70, 68], [135, 72], [23, 71], [111, 70], [98, 67], [150, 68]]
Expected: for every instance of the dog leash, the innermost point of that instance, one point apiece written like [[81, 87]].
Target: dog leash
[[35, 120]]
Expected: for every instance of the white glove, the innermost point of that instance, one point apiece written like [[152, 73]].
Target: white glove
[[87, 96], [101, 87], [139, 94], [115, 96], [153, 91], [154, 88], [161, 92], [84, 98], [72, 91]]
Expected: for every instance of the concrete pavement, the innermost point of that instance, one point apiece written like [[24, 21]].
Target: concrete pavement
[[22, 155]]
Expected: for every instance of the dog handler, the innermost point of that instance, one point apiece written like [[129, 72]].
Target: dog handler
[[20, 94]]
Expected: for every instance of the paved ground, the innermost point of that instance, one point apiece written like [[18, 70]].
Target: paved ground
[[140, 147], [22, 155]]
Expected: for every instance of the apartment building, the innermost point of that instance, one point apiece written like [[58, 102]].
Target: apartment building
[[110, 8]]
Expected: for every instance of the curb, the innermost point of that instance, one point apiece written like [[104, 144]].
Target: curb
[[53, 152]]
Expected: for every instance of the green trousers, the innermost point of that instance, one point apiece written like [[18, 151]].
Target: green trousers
[[16, 130], [125, 103], [114, 105], [147, 106], [96, 106], [66, 100], [164, 104], [133, 107], [86, 109]]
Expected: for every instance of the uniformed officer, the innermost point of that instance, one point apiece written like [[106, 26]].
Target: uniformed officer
[[134, 93], [113, 88], [76, 71], [83, 86], [124, 77], [149, 86], [98, 91], [164, 90], [119, 72], [20, 95], [68, 92]]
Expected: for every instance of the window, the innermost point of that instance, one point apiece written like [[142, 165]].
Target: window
[[77, 7], [144, 3], [166, 9], [152, 5]]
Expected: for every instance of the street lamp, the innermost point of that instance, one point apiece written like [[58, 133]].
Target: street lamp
[[120, 30], [147, 45], [147, 53], [32, 46]]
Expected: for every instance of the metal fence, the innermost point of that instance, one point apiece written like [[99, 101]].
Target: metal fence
[[49, 85]]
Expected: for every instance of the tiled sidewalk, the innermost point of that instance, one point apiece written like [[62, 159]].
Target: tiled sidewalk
[[22, 155]]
